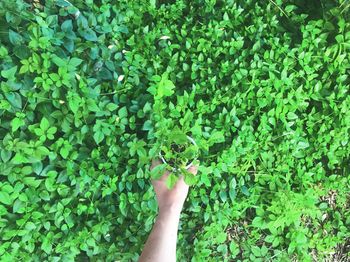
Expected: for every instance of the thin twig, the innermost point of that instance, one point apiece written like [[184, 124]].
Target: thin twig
[[279, 8]]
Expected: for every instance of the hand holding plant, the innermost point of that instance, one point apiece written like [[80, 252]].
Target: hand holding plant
[[171, 200]]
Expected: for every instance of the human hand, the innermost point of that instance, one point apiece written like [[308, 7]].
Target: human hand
[[171, 200]]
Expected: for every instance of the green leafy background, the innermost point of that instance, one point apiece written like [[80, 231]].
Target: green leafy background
[[263, 84]]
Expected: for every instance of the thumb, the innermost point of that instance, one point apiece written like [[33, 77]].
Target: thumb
[[193, 169]]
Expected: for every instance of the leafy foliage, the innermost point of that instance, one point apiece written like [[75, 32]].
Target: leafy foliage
[[89, 89]]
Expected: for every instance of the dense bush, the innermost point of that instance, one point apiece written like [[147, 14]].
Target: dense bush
[[262, 87]]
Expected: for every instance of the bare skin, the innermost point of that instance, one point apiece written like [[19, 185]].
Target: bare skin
[[161, 243]]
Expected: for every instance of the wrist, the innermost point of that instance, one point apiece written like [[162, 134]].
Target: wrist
[[170, 211]]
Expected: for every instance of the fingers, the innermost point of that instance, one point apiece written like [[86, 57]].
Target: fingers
[[155, 162], [193, 169]]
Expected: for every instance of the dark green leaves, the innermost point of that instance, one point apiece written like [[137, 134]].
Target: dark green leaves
[[88, 34]]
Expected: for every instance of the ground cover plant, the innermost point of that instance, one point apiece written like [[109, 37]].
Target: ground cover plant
[[88, 88]]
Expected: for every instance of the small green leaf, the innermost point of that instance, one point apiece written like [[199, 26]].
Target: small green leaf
[[123, 112], [291, 116], [67, 26], [88, 34], [171, 181], [190, 179], [9, 73], [5, 198], [98, 136], [165, 87], [74, 62], [16, 123], [44, 124], [158, 171], [64, 152], [15, 38], [58, 61], [46, 246]]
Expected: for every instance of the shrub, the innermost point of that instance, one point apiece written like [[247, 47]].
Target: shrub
[[262, 87]]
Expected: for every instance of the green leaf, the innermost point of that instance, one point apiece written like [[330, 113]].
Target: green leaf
[[158, 171], [58, 61], [46, 246], [15, 38], [22, 52], [15, 99], [147, 125], [5, 155], [67, 26], [256, 251], [44, 124], [190, 179], [74, 101], [9, 73], [177, 136], [165, 87], [291, 116], [16, 123], [123, 112], [190, 152], [88, 34], [64, 152], [98, 136], [74, 62], [171, 181], [216, 137], [5, 198]]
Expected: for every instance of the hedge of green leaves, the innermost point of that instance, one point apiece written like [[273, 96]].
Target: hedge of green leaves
[[262, 87]]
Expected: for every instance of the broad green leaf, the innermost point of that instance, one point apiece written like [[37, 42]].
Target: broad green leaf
[[165, 87], [9, 73], [189, 178], [158, 171], [5, 197], [74, 101], [46, 246], [16, 123], [59, 61], [98, 136], [15, 38], [44, 124], [171, 181], [123, 112]]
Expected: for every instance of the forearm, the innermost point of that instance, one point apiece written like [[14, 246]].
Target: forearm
[[161, 243]]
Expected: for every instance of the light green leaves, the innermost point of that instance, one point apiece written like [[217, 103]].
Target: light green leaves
[[163, 87], [177, 136], [45, 130], [44, 124], [158, 171], [18, 121], [171, 180], [46, 246], [74, 101], [101, 129], [9, 73], [5, 197], [216, 137], [189, 178]]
